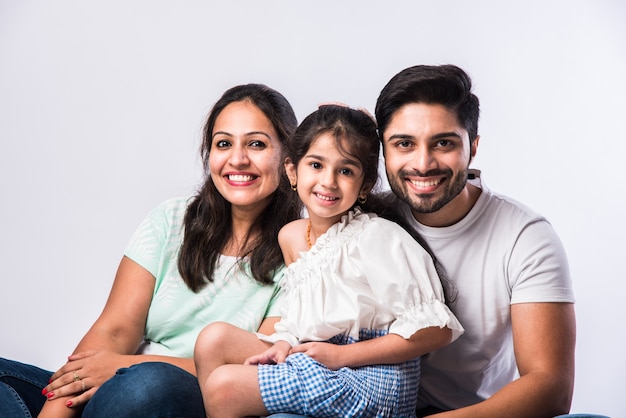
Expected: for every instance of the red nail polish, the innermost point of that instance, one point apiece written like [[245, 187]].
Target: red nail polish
[[68, 404], [50, 380], [50, 395], [44, 391]]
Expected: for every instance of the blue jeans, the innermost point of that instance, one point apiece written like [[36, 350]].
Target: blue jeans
[[20, 389], [148, 390], [143, 390]]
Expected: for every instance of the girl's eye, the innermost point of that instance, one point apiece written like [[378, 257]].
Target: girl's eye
[[316, 165], [346, 172]]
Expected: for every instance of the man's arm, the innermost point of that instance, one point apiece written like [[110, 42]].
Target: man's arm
[[544, 338]]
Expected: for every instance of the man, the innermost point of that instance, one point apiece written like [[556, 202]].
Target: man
[[508, 270]]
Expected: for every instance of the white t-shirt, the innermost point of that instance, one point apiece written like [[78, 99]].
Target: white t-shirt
[[500, 253], [365, 272]]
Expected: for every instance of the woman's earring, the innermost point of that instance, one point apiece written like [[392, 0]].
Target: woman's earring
[[294, 187], [362, 199]]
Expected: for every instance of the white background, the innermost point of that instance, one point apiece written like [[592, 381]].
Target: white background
[[101, 106]]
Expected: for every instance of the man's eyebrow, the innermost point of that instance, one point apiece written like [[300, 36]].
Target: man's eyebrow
[[434, 137], [446, 135]]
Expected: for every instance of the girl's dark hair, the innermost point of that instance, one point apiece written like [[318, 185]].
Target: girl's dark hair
[[354, 132], [356, 135], [208, 223]]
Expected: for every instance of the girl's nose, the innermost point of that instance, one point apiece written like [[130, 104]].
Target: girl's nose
[[329, 179]]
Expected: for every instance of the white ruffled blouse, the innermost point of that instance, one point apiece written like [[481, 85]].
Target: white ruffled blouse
[[365, 272]]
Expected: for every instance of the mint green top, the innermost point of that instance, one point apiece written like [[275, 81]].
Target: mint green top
[[177, 314]]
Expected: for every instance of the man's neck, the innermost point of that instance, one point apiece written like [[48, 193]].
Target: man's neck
[[454, 211]]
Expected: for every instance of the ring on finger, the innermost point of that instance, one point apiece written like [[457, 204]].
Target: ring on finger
[[82, 382], [76, 377]]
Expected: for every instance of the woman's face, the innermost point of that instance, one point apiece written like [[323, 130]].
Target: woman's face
[[245, 161]]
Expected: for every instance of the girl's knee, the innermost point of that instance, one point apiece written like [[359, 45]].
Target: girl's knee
[[221, 388], [211, 337]]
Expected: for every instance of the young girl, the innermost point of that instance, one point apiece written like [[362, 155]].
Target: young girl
[[362, 299]]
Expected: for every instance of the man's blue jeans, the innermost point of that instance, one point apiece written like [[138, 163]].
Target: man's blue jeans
[[143, 390]]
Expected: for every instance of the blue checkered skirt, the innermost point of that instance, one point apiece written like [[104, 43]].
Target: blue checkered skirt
[[303, 386]]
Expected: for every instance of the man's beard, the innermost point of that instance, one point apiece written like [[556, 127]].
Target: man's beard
[[428, 203]]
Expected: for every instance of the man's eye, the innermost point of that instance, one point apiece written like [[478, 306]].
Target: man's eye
[[403, 144]]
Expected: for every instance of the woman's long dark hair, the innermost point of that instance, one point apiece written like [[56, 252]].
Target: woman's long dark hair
[[208, 222], [363, 145]]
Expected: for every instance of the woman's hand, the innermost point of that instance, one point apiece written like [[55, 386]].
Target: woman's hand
[[83, 374], [274, 355]]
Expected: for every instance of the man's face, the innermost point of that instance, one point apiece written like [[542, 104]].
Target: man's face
[[427, 155]]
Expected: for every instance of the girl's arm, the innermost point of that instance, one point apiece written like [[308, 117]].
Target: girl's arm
[[389, 349], [110, 343]]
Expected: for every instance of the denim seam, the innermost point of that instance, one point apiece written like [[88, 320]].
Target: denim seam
[[18, 398]]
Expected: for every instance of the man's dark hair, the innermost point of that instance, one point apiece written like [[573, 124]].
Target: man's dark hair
[[446, 85]]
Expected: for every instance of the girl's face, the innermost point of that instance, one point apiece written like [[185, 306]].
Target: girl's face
[[245, 157], [328, 181]]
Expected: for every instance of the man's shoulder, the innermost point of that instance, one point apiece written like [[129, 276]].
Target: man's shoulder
[[497, 205]]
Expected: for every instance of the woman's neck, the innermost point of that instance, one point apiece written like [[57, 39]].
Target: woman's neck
[[243, 232]]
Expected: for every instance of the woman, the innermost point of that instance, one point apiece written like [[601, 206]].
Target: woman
[[191, 262]]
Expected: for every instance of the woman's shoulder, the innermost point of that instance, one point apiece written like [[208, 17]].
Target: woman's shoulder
[[174, 207], [168, 214], [175, 204]]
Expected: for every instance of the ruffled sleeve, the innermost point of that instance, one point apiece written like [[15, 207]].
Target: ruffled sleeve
[[402, 277]]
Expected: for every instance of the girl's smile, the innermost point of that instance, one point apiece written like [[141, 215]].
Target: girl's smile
[[329, 180]]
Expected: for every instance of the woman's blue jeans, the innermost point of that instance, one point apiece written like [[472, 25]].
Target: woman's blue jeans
[[143, 390], [148, 390], [20, 389]]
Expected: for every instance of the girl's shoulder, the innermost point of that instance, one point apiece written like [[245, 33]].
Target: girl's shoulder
[[292, 235], [294, 226]]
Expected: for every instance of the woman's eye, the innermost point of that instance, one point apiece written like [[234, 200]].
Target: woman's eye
[[222, 143], [257, 144]]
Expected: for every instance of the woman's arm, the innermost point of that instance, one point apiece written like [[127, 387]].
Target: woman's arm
[[111, 343]]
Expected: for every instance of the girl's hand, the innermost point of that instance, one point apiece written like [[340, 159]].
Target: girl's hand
[[82, 375], [274, 355], [325, 353]]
